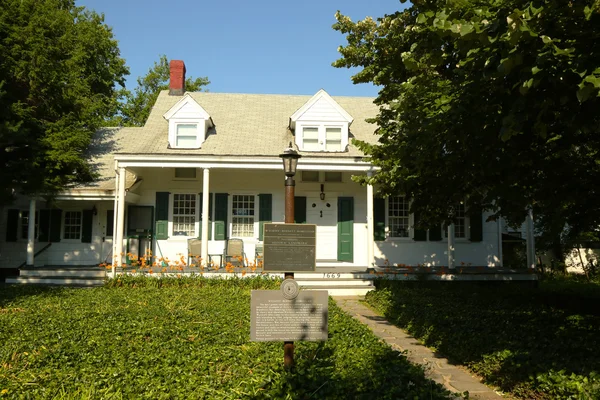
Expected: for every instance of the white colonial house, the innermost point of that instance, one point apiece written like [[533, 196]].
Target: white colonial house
[[214, 158]]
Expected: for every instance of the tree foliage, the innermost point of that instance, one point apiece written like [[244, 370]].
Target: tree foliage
[[491, 102], [58, 74], [138, 104]]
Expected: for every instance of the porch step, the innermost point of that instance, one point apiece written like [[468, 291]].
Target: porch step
[[56, 281], [73, 272], [335, 291], [60, 276]]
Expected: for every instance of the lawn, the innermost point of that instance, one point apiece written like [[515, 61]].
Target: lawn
[[187, 339], [535, 343]]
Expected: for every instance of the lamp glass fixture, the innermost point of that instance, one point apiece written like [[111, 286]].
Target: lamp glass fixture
[[290, 161]]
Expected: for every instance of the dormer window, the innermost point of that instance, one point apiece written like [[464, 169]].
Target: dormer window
[[186, 135], [188, 124], [321, 125]]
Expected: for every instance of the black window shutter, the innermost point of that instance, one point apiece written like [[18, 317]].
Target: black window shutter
[[162, 215], [435, 233], [210, 206], [420, 234], [265, 212], [379, 218], [476, 226], [12, 224], [300, 209], [44, 226], [86, 226], [55, 222], [221, 200]]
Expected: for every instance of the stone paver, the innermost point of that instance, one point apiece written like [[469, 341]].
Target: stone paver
[[437, 368]]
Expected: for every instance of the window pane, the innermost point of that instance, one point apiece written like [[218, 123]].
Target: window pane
[[186, 141], [186, 135], [310, 176], [184, 214], [398, 216], [243, 216], [333, 176], [333, 139], [185, 173], [72, 225], [310, 133]]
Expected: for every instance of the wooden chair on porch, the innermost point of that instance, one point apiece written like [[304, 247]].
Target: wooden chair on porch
[[194, 251], [234, 253]]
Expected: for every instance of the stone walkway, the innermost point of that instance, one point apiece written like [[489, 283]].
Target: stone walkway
[[454, 378]]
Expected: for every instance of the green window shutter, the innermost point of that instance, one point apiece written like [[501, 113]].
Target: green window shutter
[[55, 222], [379, 218], [221, 200], [12, 224], [476, 226], [210, 206], [420, 234], [265, 212], [300, 210], [345, 229], [162, 215], [44, 226], [87, 218], [110, 222], [435, 234]]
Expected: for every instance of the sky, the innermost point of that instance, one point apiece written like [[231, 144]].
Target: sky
[[260, 46]]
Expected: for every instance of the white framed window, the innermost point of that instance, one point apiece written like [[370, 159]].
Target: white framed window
[[184, 214], [72, 225], [322, 137], [310, 176], [25, 224], [186, 135], [185, 173], [333, 176], [460, 222], [243, 215], [398, 217], [333, 139], [310, 139]]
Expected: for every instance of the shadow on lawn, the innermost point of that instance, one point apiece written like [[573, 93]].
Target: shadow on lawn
[[525, 340], [389, 375], [10, 293]]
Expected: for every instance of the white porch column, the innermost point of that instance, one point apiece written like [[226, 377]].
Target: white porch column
[[370, 225], [115, 218], [530, 240], [205, 216], [120, 217], [451, 245], [31, 232]]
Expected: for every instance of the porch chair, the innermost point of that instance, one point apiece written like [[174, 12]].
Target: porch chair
[[194, 250], [234, 249]]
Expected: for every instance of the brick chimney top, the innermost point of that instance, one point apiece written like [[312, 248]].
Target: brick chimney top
[[177, 84]]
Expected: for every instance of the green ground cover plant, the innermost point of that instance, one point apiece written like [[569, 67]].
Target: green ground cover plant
[[534, 343], [187, 338]]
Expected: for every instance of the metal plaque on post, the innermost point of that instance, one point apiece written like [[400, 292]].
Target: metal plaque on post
[[290, 248], [277, 318]]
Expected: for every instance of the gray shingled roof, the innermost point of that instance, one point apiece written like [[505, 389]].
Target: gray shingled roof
[[245, 125]]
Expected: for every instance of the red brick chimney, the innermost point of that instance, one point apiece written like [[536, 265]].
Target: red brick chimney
[[177, 85]]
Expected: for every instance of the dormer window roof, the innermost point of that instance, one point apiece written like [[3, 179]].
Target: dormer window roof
[[188, 124], [321, 124]]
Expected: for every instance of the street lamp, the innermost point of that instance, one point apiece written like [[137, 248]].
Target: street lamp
[[290, 162]]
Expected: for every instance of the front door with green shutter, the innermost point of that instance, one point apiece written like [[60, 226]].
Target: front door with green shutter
[[345, 229], [323, 213]]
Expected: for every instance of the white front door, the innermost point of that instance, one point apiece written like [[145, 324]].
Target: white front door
[[323, 213]]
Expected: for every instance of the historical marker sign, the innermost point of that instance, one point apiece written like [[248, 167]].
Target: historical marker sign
[[275, 318], [290, 247]]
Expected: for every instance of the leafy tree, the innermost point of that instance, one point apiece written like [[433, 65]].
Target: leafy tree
[[137, 105], [58, 74], [491, 102]]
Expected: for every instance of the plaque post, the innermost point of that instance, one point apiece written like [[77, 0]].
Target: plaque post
[[290, 161]]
